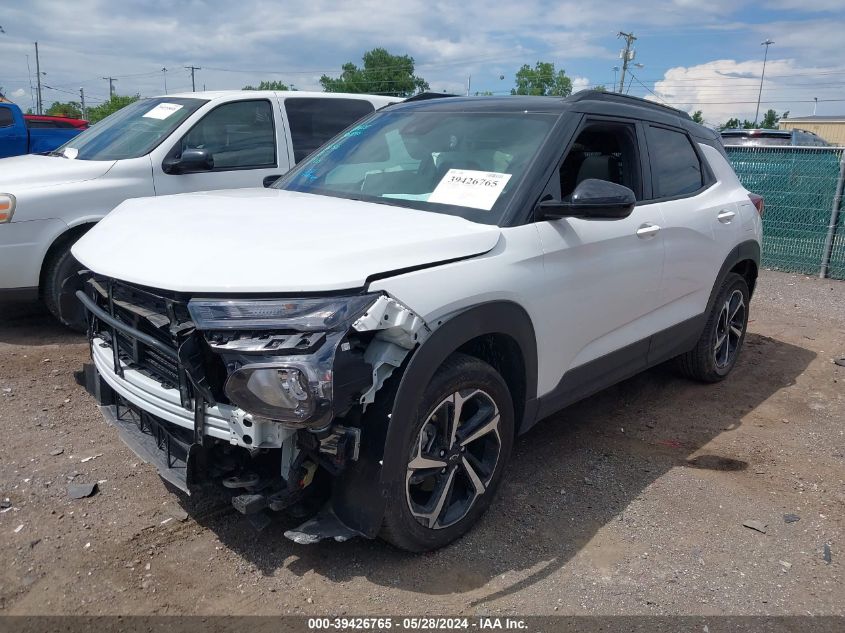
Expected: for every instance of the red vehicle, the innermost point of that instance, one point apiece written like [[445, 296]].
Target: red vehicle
[[44, 121]]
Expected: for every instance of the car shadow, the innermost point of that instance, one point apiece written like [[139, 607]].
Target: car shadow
[[32, 325], [568, 477]]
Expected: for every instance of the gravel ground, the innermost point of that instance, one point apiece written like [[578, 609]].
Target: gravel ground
[[631, 502]]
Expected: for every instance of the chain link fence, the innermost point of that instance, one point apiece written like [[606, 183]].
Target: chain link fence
[[799, 186]]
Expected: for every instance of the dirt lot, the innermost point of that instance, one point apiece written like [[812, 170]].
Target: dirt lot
[[631, 502]]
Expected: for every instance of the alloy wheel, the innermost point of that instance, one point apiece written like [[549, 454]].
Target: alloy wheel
[[729, 329], [453, 459]]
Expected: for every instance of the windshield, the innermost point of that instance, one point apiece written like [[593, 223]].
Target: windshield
[[460, 163], [131, 131]]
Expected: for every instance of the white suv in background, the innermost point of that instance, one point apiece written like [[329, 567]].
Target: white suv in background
[[360, 344], [172, 144]]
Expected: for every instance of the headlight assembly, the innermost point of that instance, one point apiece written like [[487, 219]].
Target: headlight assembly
[[313, 314], [282, 393], [7, 207]]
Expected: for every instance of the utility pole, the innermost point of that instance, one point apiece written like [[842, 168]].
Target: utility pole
[[82, 102], [193, 84], [815, 105], [38, 76], [164, 73], [767, 43], [111, 81], [627, 55]]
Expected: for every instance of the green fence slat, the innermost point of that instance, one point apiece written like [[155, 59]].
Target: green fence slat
[[798, 186]]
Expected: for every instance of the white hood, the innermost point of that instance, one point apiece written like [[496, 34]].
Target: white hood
[[268, 240], [32, 170]]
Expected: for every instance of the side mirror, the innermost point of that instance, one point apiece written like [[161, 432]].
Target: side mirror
[[191, 160], [592, 198]]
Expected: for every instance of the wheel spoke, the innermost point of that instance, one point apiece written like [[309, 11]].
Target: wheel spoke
[[482, 429], [420, 461], [737, 332], [438, 500], [473, 477], [719, 342]]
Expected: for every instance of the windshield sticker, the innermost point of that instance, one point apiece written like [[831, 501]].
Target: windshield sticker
[[470, 188], [70, 152], [162, 111]]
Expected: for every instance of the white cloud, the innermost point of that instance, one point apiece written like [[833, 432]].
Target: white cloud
[[20, 92], [727, 88], [580, 83]]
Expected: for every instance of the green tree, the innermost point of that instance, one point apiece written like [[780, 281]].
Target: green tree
[[383, 73], [698, 116], [600, 88], [733, 124], [770, 119], [110, 107], [70, 109], [268, 85], [542, 80]]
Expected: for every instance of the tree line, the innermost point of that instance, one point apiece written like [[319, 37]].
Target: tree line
[[385, 73]]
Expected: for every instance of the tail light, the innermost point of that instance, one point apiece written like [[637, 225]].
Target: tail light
[[758, 203]]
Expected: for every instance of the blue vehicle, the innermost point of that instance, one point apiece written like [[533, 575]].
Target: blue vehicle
[[30, 134]]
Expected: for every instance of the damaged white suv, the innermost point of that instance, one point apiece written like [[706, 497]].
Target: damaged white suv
[[360, 344]]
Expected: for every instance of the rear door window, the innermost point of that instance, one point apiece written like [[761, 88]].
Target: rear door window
[[675, 167], [6, 118], [313, 121]]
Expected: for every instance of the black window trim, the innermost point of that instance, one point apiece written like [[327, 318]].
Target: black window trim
[[178, 143], [586, 121], [707, 177]]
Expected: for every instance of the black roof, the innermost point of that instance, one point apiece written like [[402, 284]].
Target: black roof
[[585, 101], [526, 103]]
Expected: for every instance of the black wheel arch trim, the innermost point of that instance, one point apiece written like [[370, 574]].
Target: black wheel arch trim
[[744, 251], [353, 496]]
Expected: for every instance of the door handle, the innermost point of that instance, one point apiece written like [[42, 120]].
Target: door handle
[[725, 216], [647, 230]]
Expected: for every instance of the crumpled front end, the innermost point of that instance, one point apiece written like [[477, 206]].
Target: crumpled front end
[[264, 397]]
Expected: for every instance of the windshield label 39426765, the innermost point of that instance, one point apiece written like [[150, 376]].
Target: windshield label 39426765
[[470, 188]]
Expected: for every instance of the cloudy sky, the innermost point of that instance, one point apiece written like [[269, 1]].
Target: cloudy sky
[[696, 54]]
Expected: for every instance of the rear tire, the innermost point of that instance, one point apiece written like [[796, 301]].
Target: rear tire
[[453, 464], [62, 265], [717, 350]]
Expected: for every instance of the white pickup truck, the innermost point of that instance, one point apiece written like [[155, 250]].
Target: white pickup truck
[[172, 144]]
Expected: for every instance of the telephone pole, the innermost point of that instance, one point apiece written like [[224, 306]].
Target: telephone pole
[[767, 43], [82, 102], [38, 76], [627, 55], [192, 69], [164, 74], [111, 81]]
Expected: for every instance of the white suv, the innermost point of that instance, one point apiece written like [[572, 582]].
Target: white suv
[[360, 344]]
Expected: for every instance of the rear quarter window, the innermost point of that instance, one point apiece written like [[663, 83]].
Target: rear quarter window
[[675, 167], [313, 121], [6, 118]]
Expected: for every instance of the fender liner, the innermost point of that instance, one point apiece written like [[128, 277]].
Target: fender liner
[[359, 496]]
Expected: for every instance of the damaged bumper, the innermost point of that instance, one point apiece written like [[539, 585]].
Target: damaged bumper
[[179, 395]]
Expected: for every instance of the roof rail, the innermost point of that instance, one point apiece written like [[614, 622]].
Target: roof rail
[[615, 97]]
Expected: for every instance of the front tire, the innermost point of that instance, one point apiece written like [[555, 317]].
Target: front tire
[[457, 447], [717, 350], [61, 265]]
